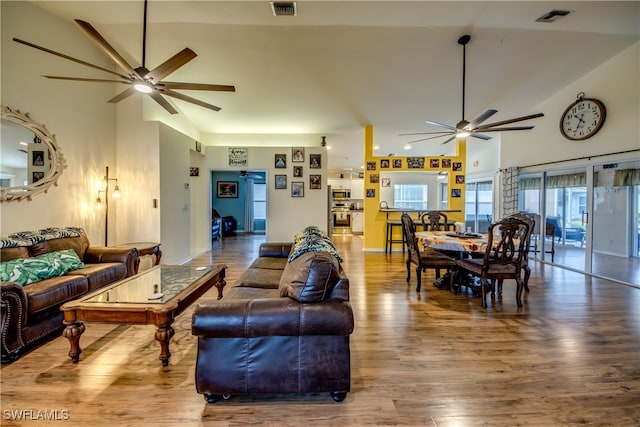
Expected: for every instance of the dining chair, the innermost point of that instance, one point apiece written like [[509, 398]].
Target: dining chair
[[435, 221], [525, 257], [426, 258], [503, 257]]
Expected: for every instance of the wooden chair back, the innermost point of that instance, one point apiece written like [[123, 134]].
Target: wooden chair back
[[409, 231], [506, 243], [434, 221]]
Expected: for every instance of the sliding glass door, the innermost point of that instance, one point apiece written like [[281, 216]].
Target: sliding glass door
[[478, 205]]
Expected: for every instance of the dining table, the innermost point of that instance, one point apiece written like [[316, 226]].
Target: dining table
[[462, 245]]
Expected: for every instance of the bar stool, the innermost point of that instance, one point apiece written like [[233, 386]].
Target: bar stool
[[389, 240]]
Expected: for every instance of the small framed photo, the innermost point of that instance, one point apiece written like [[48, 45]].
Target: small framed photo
[[384, 164], [314, 161], [455, 192], [459, 179], [38, 158], [415, 162], [386, 182], [397, 163], [280, 161], [374, 178], [297, 154], [434, 163], [297, 189], [315, 182], [198, 147], [446, 163], [297, 171], [281, 182], [457, 166], [227, 189], [194, 171], [371, 166], [371, 192], [37, 176]]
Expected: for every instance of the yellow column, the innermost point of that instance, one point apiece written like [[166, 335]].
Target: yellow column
[[374, 220]]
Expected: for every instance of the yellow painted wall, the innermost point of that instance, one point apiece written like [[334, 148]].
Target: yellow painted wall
[[374, 220]]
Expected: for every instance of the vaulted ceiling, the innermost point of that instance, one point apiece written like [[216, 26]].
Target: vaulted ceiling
[[340, 65]]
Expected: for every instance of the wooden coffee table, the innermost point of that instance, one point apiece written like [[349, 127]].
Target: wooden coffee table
[[153, 297]]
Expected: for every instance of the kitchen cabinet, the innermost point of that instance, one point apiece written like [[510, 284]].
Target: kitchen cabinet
[[339, 183], [357, 189], [357, 222]]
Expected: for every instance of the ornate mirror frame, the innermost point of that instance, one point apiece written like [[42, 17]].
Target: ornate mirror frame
[[58, 163]]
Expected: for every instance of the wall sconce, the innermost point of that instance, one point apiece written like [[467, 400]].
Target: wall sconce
[[100, 203]]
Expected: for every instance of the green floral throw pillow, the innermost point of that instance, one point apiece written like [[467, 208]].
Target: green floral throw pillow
[[24, 271]]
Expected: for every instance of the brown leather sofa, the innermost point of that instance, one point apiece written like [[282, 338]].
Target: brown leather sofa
[[283, 328], [31, 313]]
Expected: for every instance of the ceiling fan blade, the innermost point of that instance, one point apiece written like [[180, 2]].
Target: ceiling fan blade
[[197, 86], [481, 118], [506, 122], [426, 139], [165, 104], [190, 99], [122, 95], [480, 136], [171, 65], [82, 79], [507, 129], [70, 58], [425, 133], [449, 140], [95, 36], [430, 122]]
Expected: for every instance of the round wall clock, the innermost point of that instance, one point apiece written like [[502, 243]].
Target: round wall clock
[[583, 118]]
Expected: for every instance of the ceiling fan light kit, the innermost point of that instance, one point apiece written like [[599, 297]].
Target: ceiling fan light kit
[[474, 128], [140, 79]]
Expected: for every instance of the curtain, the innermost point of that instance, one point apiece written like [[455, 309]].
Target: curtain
[[534, 183], [626, 177], [569, 180], [509, 191], [248, 208]]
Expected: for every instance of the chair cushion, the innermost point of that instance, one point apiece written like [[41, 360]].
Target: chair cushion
[[475, 267]]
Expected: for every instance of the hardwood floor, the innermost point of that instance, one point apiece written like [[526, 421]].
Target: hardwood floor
[[570, 356]]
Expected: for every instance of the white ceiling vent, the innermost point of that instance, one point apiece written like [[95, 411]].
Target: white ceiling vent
[[283, 8], [552, 16]]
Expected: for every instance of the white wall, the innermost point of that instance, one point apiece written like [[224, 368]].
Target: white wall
[[77, 113], [615, 83], [286, 215]]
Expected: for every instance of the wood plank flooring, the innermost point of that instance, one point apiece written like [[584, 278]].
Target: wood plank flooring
[[569, 357]]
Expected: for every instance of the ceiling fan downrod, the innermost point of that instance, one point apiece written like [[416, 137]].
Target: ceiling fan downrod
[[144, 36], [463, 41]]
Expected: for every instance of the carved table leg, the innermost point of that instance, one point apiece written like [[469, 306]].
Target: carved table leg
[[220, 286], [163, 335], [72, 332]]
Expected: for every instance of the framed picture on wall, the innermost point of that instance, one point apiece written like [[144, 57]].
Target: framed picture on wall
[[386, 182], [315, 182], [38, 158], [280, 161], [227, 189], [456, 192], [297, 154], [374, 178], [194, 171], [459, 179], [397, 163], [371, 192], [457, 166], [297, 171], [434, 163], [371, 166], [446, 163], [281, 182], [297, 189], [314, 161]]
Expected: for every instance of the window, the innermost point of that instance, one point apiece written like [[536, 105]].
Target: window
[[479, 205], [410, 196], [259, 201]]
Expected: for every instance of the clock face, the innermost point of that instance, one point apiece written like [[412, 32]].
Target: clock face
[[582, 119]]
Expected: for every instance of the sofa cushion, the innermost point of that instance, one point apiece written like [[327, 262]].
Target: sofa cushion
[[99, 275], [259, 278], [269, 263], [8, 253], [310, 277], [24, 271], [52, 292], [79, 244]]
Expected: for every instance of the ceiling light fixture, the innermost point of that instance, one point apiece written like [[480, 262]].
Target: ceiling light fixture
[[143, 87]]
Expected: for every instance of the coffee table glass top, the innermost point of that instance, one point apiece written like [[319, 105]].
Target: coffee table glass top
[[157, 285]]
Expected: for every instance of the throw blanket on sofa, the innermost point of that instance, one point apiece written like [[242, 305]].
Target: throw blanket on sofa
[[29, 238], [312, 239]]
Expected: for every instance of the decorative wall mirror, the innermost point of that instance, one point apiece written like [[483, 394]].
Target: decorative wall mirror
[[30, 160]]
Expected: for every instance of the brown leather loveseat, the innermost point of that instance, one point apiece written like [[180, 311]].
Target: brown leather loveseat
[[31, 312], [283, 328]]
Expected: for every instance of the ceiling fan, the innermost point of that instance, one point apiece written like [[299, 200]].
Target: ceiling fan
[[474, 128], [247, 175], [140, 79]]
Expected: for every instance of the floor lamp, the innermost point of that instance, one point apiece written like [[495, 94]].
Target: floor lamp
[[115, 194]]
